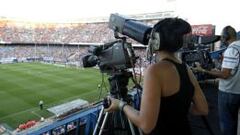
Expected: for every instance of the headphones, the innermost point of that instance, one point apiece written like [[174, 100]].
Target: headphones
[[168, 35], [225, 34], [154, 42]]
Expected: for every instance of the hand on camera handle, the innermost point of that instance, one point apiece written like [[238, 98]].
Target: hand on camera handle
[[111, 104], [198, 68], [106, 102]]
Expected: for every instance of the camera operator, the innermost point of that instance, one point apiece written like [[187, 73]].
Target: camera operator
[[229, 86], [170, 89]]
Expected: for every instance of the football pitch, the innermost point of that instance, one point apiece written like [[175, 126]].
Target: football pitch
[[23, 85]]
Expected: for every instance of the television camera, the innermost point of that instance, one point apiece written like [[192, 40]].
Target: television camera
[[115, 58], [118, 55], [199, 53]]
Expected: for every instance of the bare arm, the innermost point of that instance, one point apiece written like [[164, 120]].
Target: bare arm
[[230, 62], [199, 106], [224, 73], [146, 118]]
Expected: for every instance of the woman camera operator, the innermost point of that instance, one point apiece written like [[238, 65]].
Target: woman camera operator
[[170, 89]]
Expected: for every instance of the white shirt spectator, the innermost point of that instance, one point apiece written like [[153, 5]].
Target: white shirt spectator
[[231, 60]]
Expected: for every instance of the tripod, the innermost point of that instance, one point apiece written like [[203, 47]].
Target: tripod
[[117, 122]]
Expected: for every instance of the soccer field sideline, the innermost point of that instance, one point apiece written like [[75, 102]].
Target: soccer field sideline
[[48, 105], [64, 84]]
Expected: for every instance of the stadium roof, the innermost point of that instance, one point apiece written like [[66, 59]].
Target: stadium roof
[[72, 10], [142, 16], [195, 11]]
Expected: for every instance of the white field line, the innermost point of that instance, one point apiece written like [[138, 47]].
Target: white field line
[[35, 108]]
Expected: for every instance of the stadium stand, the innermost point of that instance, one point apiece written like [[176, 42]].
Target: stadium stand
[[90, 31], [67, 44], [56, 43], [65, 54]]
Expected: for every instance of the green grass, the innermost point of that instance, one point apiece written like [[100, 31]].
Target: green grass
[[23, 85]]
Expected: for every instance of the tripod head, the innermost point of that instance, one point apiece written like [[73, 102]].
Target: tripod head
[[118, 84], [116, 125]]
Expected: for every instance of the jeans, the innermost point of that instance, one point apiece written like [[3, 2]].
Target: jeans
[[228, 107]]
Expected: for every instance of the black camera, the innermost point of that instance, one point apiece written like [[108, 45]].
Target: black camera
[[118, 55], [130, 27], [200, 53], [111, 57]]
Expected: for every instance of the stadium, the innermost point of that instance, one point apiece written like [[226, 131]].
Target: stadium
[[43, 62], [45, 88]]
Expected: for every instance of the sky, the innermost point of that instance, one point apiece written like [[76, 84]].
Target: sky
[[60, 10], [216, 12]]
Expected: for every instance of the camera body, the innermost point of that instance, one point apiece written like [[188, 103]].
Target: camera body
[[202, 57], [112, 58], [118, 55], [207, 60]]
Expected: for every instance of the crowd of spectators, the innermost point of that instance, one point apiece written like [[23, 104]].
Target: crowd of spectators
[[54, 53], [57, 54], [80, 33], [26, 125], [70, 128], [57, 33]]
